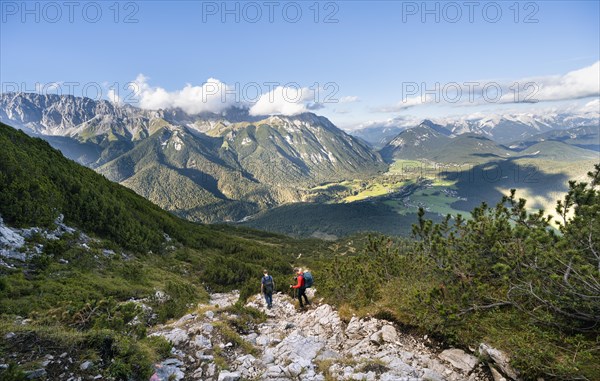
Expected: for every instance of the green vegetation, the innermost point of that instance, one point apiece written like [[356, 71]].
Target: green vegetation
[[376, 190], [433, 198], [389, 203], [124, 357], [401, 166], [77, 298], [37, 183], [442, 175], [503, 277], [310, 219], [222, 176]]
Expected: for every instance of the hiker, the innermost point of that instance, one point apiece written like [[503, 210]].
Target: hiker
[[301, 287], [267, 285]]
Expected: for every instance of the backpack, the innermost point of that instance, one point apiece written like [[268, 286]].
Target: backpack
[[308, 279], [268, 285]]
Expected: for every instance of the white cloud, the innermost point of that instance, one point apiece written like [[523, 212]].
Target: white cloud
[[113, 96], [404, 104], [577, 84], [400, 121], [213, 96], [564, 110], [592, 107], [216, 96], [283, 100], [349, 99], [338, 111]]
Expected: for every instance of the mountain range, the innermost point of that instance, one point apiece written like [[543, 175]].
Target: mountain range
[[206, 167], [445, 173], [431, 142], [501, 128], [234, 166]]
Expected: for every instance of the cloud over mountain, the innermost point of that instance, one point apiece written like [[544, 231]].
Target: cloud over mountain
[[283, 100], [212, 96], [216, 96]]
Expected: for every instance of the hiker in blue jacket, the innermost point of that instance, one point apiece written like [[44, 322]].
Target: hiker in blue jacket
[[267, 286]]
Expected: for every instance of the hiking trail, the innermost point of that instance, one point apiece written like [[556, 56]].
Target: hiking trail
[[313, 345]]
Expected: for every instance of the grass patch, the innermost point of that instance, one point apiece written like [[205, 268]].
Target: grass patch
[[374, 190], [323, 366], [219, 358], [405, 167], [127, 357], [229, 335], [434, 201], [374, 365]]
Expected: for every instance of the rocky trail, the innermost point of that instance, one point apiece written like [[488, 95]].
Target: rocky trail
[[310, 345]]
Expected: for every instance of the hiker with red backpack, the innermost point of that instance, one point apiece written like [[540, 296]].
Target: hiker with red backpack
[[267, 286], [304, 280]]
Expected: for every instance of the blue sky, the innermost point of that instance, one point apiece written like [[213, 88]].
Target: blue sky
[[367, 55]]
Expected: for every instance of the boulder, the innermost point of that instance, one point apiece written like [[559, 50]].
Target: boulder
[[389, 376], [86, 365], [169, 370], [225, 299], [172, 362], [293, 370], [353, 329], [262, 340], [389, 334], [202, 357], [496, 375], [268, 357], [197, 374], [211, 370], [328, 355], [229, 376], [35, 374], [176, 336], [12, 254], [251, 338], [375, 338], [187, 317], [202, 341], [501, 359], [430, 375], [207, 328], [9, 237], [274, 371], [460, 359]]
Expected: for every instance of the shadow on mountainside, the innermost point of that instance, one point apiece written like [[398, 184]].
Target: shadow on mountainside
[[486, 182]]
